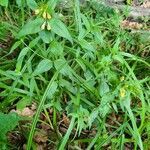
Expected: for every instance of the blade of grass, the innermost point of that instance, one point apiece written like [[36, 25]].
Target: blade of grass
[[141, 94], [35, 120], [93, 141], [66, 137], [98, 147], [78, 16]]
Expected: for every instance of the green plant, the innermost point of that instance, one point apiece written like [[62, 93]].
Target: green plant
[[8, 122], [77, 62]]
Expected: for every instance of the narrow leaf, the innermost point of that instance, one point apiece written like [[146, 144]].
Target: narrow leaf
[[6, 124], [66, 137], [4, 3], [32, 4], [32, 27], [52, 90], [51, 5], [104, 88], [21, 56], [45, 36], [16, 44], [60, 29], [43, 66]]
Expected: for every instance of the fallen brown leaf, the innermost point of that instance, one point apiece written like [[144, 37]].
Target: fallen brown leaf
[[131, 24], [40, 137], [33, 106], [45, 126], [146, 4], [66, 120], [26, 112]]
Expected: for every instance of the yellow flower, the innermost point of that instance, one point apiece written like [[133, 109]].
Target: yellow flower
[[43, 26], [44, 15], [122, 78], [48, 27], [37, 11], [122, 92], [49, 16]]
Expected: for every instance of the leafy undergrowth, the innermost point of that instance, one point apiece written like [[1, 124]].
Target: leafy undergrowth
[[72, 78]]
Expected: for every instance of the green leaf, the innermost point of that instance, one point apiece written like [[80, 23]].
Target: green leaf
[[56, 48], [65, 84], [52, 90], [86, 45], [7, 123], [45, 36], [19, 3], [57, 105], [127, 102], [65, 70], [99, 38], [15, 45], [116, 47], [23, 103], [32, 27], [4, 3], [86, 22], [118, 58], [23, 53], [78, 17], [66, 137], [32, 4], [44, 66], [51, 5], [60, 29], [104, 107], [40, 107], [34, 42], [104, 88], [92, 117], [21, 56]]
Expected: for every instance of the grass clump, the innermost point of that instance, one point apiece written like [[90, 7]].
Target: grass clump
[[88, 75]]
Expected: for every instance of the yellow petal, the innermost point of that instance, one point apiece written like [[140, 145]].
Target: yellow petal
[[49, 16], [48, 27], [37, 11], [122, 78], [44, 15], [43, 26], [122, 92]]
